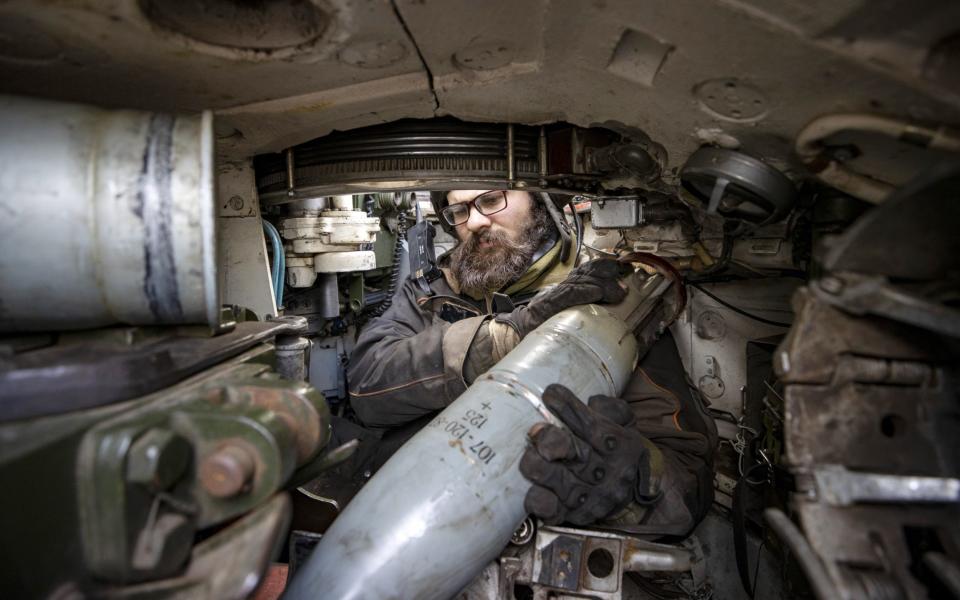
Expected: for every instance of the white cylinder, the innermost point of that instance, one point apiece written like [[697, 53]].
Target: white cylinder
[[107, 217], [344, 262], [447, 502], [343, 202]]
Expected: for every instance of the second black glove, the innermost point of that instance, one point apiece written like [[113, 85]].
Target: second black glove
[[591, 470]]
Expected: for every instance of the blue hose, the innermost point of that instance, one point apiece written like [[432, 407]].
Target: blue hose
[[280, 280], [279, 261]]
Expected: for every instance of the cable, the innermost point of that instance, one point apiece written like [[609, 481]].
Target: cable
[[723, 415], [282, 279], [579, 224], [607, 252], [279, 260], [748, 267], [736, 309], [395, 271], [810, 564], [756, 569], [580, 230], [726, 251]]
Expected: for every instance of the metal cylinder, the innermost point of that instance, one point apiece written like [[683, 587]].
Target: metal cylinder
[[449, 500], [309, 207], [108, 217], [342, 202], [329, 295], [292, 354]]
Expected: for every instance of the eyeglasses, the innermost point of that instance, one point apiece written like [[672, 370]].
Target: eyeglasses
[[486, 204]]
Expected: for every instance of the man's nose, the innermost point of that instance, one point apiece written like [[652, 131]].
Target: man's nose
[[476, 222]]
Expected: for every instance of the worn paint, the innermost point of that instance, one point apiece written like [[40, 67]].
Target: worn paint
[[154, 206]]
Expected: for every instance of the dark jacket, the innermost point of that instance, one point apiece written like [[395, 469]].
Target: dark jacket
[[423, 352]]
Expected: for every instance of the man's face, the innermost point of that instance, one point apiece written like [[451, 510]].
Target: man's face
[[497, 248], [510, 222]]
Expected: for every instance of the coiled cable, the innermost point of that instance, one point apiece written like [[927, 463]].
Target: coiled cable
[[394, 281]]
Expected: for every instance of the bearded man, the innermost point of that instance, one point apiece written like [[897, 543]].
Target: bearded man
[[503, 280]]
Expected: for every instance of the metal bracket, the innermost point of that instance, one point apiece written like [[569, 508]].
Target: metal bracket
[[841, 487]]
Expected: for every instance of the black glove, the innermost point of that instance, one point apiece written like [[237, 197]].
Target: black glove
[[592, 282], [589, 472]]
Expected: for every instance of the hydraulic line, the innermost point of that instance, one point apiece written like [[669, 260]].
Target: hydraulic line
[[809, 147], [279, 260]]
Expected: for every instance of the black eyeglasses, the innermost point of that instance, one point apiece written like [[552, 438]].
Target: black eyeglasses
[[486, 204]]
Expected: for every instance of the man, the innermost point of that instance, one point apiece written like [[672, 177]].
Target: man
[[642, 462]]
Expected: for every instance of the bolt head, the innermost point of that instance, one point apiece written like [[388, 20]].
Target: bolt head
[[226, 472], [157, 459]]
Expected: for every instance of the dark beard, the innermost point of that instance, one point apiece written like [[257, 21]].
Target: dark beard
[[480, 271]]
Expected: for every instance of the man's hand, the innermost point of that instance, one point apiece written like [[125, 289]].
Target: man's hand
[[590, 471], [596, 281]]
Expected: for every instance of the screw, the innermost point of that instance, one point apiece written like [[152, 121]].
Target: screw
[[226, 472], [236, 202]]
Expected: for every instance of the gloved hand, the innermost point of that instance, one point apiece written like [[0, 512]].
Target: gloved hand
[[589, 472], [592, 282]]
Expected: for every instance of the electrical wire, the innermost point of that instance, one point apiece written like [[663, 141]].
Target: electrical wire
[[572, 204], [598, 250], [748, 267], [756, 569], [722, 415], [398, 256], [578, 222], [726, 251], [737, 309]]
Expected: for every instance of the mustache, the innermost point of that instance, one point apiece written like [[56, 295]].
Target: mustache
[[498, 238], [490, 269]]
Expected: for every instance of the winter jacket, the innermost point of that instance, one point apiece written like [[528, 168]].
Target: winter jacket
[[424, 351]]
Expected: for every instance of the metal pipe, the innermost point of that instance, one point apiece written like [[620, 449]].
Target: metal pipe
[[511, 158], [291, 186], [292, 356], [108, 217], [640, 556], [448, 501], [329, 295], [821, 583], [809, 147], [542, 151]]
